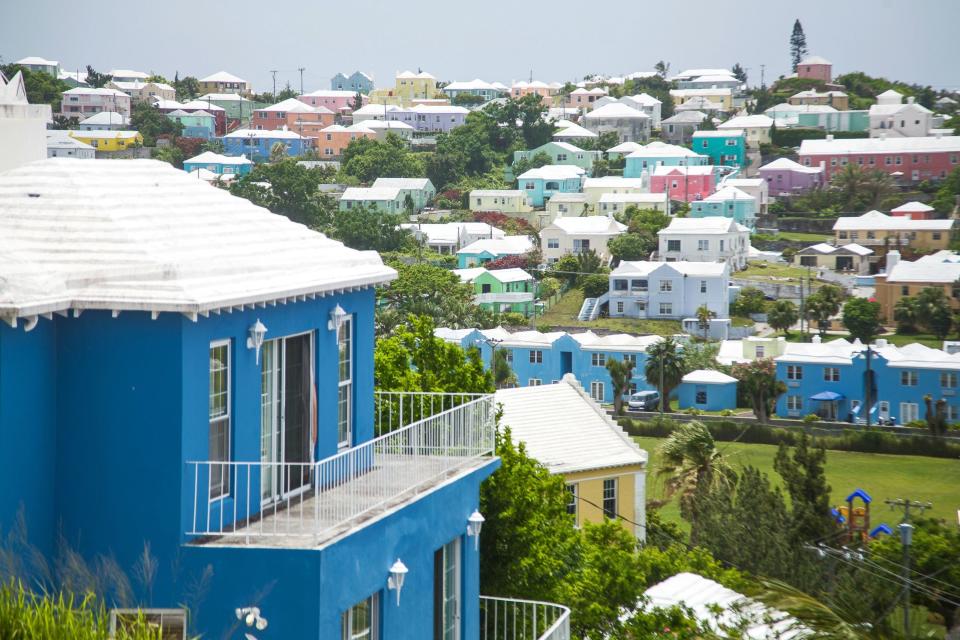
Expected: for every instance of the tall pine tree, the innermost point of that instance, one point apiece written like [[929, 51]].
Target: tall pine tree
[[798, 44]]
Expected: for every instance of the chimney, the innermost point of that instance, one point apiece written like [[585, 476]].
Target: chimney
[[910, 99], [817, 339], [893, 259], [829, 137], [880, 343]]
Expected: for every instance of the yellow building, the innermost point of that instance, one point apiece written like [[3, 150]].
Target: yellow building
[[883, 233], [904, 279], [408, 88], [104, 140], [573, 436], [720, 96]]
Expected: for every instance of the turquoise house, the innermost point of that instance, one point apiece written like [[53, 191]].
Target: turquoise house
[[836, 121], [562, 153], [543, 183], [729, 202], [486, 250], [196, 124], [725, 148], [661, 154], [219, 164], [707, 390]]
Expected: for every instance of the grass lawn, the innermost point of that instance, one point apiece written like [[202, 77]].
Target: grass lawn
[[564, 314], [769, 271], [796, 236], [936, 480]]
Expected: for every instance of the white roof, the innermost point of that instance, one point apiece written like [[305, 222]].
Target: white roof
[[616, 110], [577, 198], [924, 271], [715, 78], [635, 198], [468, 275], [662, 149], [439, 108], [472, 85], [744, 182], [747, 122], [371, 193], [201, 105], [588, 225], [625, 147], [403, 183], [682, 93], [572, 130], [566, 146], [498, 193], [222, 97], [98, 91], [555, 421], [913, 207], [695, 73], [507, 245], [720, 608], [685, 117], [386, 124], [786, 164], [840, 351], [708, 376], [711, 225], [140, 235], [295, 106], [814, 60], [104, 134], [872, 220], [645, 267], [645, 99], [330, 93], [60, 139], [919, 144], [106, 118], [128, 73], [612, 182], [728, 193], [136, 85], [262, 133], [38, 61], [222, 76], [826, 249], [552, 172], [726, 133], [452, 232], [697, 170], [510, 275], [209, 157]]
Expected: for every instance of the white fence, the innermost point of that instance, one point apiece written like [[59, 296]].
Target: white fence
[[428, 437], [511, 619]]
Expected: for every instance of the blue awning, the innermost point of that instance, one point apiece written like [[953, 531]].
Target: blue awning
[[827, 395]]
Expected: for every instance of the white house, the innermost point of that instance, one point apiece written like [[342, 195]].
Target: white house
[[579, 235], [61, 145], [500, 200], [614, 203], [669, 290], [759, 188], [755, 127], [712, 239], [893, 118], [449, 237], [594, 188], [641, 102], [629, 124], [566, 204]]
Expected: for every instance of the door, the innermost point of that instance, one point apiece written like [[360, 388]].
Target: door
[[286, 383], [884, 410], [566, 362], [446, 591]]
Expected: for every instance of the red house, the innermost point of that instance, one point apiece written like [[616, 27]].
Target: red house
[[910, 160], [914, 210], [683, 183]]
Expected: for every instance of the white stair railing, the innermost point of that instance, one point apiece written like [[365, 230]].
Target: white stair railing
[[513, 619]]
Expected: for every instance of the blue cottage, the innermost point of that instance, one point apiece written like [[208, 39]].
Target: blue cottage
[[258, 144], [188, 377], [707, 390]]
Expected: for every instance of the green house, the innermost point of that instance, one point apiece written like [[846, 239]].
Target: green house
[[562, 153], [501, 290]]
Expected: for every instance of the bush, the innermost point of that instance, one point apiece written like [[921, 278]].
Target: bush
[[811, 417], [726, 412], [793, 137], [595, 285], [544, 328], [512, 318], [692, 411], [750, 300], [549, 287]]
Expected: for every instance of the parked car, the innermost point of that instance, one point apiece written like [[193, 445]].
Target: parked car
[[644, 400]]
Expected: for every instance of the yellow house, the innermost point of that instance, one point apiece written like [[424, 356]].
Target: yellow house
[[569, 433], [883, 233], [104, 140], [722, 96], [408, 88]]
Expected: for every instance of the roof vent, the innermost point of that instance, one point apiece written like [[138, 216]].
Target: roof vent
[[829, 137], [33, 195], [881, 343]]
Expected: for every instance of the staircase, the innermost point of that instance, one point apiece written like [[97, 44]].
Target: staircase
[[590, 310]]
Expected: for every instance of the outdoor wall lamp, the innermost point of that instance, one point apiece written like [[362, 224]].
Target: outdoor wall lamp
[[474, 524], [337, 316], [397, 573], [255, 338], [252, 618]]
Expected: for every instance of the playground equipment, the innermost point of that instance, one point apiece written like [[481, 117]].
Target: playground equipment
[[857, 518]]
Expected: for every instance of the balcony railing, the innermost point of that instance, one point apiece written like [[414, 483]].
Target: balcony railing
[[504, 296], [427, 438], [511, 619]]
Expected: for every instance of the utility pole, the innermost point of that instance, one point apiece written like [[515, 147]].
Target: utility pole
[[803, 310], [906, 539], [763, 68], [869, 384], [301, 70], [274, 72], [662, 399]]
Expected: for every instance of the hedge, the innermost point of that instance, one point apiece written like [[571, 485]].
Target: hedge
[[793, 137], [862, 441]]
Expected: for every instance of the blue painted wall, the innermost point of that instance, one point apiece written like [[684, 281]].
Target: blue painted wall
[[219, 167], [540, 190], [718, 396], [258, 149], [635, 166], [723, 150]]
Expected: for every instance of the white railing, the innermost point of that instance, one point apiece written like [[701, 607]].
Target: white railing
[[427, 438], [505, 296], [512, 619]]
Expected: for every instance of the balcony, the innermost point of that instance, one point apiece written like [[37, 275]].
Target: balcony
[[511, 297], [511, 619], [428, 439]]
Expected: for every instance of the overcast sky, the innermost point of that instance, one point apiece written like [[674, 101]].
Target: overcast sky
[[492, 39]]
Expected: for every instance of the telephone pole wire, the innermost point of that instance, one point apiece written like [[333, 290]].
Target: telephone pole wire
[[906, 539]]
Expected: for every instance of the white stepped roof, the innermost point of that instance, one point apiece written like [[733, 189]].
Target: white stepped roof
[[728, 193], [452, 232], [635, 198], [95, 91], [293, 105], [37, 60], [646, 267], [747, 122], [613, 182], [919, 144], [472, 85], [105, 119], [403, 183], [200, 105], [59, 139], [662, 149], [554, 421], [222, 76], [697, 170], [263, 133], [625, 147], [914, 207], [708, 376], [873, 220], [588, 225], [507, 245], [814, 60], [616, 110], [552, 172], [209, 157], [711, 225], [128, 73], [140, 235], [572, 130], [330, 93], [786, 164]]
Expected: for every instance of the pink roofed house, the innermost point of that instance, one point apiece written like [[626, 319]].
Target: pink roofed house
[[685, 184], [784, 176]]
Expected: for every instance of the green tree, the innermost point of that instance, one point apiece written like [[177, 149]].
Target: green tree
[[369, 229], [632, 246], [588, 262], [523, 165], [444, 169], [187, 88], [701, 355], [798, 44], [648, 220], [861, 317], [750, 300], [278, 151], [946, 197], [366, 159], [170, 154], [739, 73], [936, 415], [805, 480], [822, 306], [41, 87], [758, 381], [503, 375], [152, 124], [934, 311], [595, 285], [849, 183], [427, 290], [289, 189], [781, 315], [662, 68], [665, 367], [690, 461], [621, 373], [97, 80], [704, 316], [906, 313], [467, 100], [566, 268]]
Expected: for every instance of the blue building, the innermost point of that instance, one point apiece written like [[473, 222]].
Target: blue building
[[707, 390], [661, 154], [358, 82], [830, 379], [542, 358], [195, 382], [729, 202], [480, 252], [726, 148], [257, 144], [219, 164], [544, 182]]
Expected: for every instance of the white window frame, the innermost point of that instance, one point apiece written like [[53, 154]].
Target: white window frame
[[794, 403], [536, 356], [226, 416], [534, 382], [794, 372], [597, 390], [598, 359], [345, 435], [666, 308], [347, 619], [703, 245], [948, 379], [609, 486], [573, 494], [909, 411], [452, 550], [666, 286], [908, 378], [831, 374]]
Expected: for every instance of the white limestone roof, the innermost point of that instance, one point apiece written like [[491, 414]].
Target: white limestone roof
[[104, 134], [386, 124], [357, 127], [552, 172], [725, 133], [728, 193], [468, 275], [403, 183], [507, 245], [79, 76], [223, 97], [924, 271], [222, 76], [555, 421], [510, 275], [136, 85], [472, 85], [913, 207], [566, 146], [696, 170], [295, 106], [645, 267], [140, 235], [744, 182], [498, 193], [747, 122], [439, 109], [203, 173], [872, 220], [840, 351], [97, 91], [786, 164], [370, 193], [209, 157], [625, 147], [890, 109], [330, 93], [645, 99], [588, 225], [720, 91], [720, 608], [715, 78], [685, 117], [694, 73], [576, 198], [711, 225], [919, 144], [623, 342], [262, 133], [37, 60], [801, 108], [572, 130], [826, 249], [662, 149], [452, 232], [128, 73], [616, 110], [613, 182], [815, 60], [162, 103], [641, 198], [708, 376], [858, 249], [731, 352], [105, 118], [60, 139], [202, 105]]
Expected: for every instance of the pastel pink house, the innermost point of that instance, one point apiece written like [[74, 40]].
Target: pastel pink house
[[336, 100], [815, 68], [909, 160], [542, 89], [685, 184]]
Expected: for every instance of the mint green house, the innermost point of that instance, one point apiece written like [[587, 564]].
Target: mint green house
[[562, 153], [836, 121], [729, 202], [501, 290]]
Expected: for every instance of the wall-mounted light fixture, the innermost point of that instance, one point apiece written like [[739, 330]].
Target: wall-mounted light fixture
[[255, 338], [397, 574], [337, 316], [252, 618], [474, 524]]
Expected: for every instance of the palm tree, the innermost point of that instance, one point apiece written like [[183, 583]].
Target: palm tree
[[849, 181], [278, 152], [906, 313], [704, 315], [621, 371], [666, 366], [689, 460], [876, 187], [782, 315]]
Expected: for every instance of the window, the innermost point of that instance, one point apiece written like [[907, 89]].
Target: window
[[509, 356], [703, 245], [345, 383], [908, 378], [703, 286], [909, 411], [794, 404], [572, 499], [871, 235], [610, 498], [666, 309], [842, 235], [936, 235], [596, 390], [219, 396], [630, 358], [536, 356], [760, 350], [673, 245], [704, 144], [360, 622], [619, 285], [598, 359], [904, 290], [553, 243], [534, 382], [581, 246], [666, 286], [638, 285], [948, 379], [701, 395], [808, 261], [172, 623], [446, 591], [831, 374], [619, 307], [794, 372]]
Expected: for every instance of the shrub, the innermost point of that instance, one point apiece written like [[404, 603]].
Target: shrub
[[512, 318], [811, 417], [726, 412], [692, 411], [543, 327], [595, 285]]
